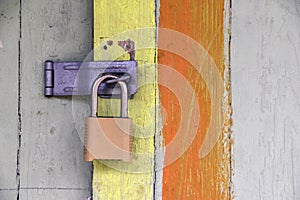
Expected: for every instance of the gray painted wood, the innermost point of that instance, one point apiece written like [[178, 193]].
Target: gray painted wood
[[9, 35], [266, 99], [53, 194], [51, 158], [8, 194]]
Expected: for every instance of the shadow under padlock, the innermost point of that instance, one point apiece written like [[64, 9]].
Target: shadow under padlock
[[107, 137]]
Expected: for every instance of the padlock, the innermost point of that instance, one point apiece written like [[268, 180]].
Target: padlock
[[108, 138]]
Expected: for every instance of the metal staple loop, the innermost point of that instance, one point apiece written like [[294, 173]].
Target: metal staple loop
[[115, 80]]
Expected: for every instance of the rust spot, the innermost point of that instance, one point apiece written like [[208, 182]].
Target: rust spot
[[110, 42], [128, 46]]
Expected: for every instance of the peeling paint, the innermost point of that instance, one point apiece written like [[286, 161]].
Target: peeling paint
[[128, 46]]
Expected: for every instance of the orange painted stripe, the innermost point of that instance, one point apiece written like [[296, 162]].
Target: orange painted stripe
[[190, 177]]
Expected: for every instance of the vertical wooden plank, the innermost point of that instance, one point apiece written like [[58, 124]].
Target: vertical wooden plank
[[117, 180], [191, 176], [266, 93], [51, 160], [9, 37]]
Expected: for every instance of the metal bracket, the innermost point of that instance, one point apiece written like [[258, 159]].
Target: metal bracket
[[77, 78]]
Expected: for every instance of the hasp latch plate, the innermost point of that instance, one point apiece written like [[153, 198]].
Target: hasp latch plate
[[77, 78]]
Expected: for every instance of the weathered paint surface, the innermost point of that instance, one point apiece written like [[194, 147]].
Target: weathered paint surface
[[266, 94], [9, 35], [41, 154], [51, 159], [118, 180], [190, 177]]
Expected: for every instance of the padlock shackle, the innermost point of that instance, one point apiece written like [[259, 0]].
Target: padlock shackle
[[124, 95], [124, 99]]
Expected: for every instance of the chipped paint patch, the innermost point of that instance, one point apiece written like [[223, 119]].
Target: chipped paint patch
[[128, 46]]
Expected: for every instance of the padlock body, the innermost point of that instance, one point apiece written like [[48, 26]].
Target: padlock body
[[108, 138]]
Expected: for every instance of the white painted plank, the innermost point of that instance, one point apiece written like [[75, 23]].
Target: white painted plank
[[51, 151], [9, 34], [266, 99]]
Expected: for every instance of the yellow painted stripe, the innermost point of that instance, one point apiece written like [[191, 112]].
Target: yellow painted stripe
[[115, 179]]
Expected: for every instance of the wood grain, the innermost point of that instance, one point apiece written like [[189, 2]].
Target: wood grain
[[266, 94], [191, 177]]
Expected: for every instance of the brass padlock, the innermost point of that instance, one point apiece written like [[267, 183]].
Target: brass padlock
[[107, 137]]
